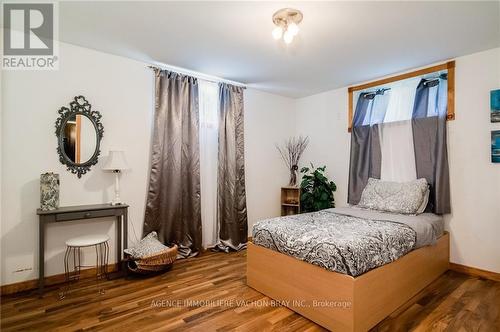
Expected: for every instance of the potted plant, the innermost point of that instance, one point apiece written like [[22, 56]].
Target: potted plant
[[316, 190]]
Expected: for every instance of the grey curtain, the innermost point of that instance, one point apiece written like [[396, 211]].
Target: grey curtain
[[429, 139], [366, 154], [173, 198], [231, 198]]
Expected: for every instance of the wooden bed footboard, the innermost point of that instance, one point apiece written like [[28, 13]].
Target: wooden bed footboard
[[340, 302]]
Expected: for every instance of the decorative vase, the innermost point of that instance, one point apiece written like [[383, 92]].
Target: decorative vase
[[293, 176], [49, 191]]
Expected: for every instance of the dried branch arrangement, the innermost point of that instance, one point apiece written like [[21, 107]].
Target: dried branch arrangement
[[291, 152]]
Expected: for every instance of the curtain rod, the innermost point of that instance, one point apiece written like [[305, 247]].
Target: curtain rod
[[205, 77], [449, 66], [427, 80]]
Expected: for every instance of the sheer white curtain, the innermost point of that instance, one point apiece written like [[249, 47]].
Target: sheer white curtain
[[398, 155], [396, 134], [402, 97], [208, 102]]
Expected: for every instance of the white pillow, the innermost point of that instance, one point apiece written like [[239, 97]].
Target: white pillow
[[395, 197], [146, 247]]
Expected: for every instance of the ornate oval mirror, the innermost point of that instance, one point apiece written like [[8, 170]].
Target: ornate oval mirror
[[79, 132]]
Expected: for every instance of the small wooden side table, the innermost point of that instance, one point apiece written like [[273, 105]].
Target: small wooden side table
[[290, 200], [79, 212]]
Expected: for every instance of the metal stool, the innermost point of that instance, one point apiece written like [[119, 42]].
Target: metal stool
[[73, 246]]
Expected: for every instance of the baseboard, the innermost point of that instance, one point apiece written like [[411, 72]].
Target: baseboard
[[88, 273], [472, 271], [49, 281]]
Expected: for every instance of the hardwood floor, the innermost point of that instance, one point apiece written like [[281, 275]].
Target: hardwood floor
[[209, 293]]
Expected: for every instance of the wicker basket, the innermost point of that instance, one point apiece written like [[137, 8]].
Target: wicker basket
[[154, 263]]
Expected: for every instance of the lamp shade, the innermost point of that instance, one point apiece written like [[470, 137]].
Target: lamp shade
[[116, 161]]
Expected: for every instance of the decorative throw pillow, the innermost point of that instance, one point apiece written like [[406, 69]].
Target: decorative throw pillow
[[396, 197], [147, 246]]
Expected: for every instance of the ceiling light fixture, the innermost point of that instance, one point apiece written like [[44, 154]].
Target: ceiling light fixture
[[287, 24]]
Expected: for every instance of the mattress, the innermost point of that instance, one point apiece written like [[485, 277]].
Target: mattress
[[348, 240]]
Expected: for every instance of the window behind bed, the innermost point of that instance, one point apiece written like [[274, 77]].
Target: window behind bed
[[399, 133]]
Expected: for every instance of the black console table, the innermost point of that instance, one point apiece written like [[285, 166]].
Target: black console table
[[71, 213]]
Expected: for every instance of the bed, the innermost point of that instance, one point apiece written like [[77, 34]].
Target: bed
[[346, 268]]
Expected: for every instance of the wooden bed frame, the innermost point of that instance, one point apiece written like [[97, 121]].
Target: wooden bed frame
[[338, 301]]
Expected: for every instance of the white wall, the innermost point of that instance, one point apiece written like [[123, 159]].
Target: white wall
[[119, 88], [87, 139], [475, 181], [474, 224], [122, 90], [323, 117], [269, 120]]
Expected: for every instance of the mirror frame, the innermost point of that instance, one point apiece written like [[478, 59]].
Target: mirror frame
[[79, 106]]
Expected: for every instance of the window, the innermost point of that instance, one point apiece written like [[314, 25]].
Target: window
[[396, 95]]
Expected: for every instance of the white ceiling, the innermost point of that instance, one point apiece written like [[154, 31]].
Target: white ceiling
[[340, 43]]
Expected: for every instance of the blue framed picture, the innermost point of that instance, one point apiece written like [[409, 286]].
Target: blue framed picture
[[495, 146], [495, 105]]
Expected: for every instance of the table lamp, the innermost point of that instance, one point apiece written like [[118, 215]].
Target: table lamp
[[116, 163]]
